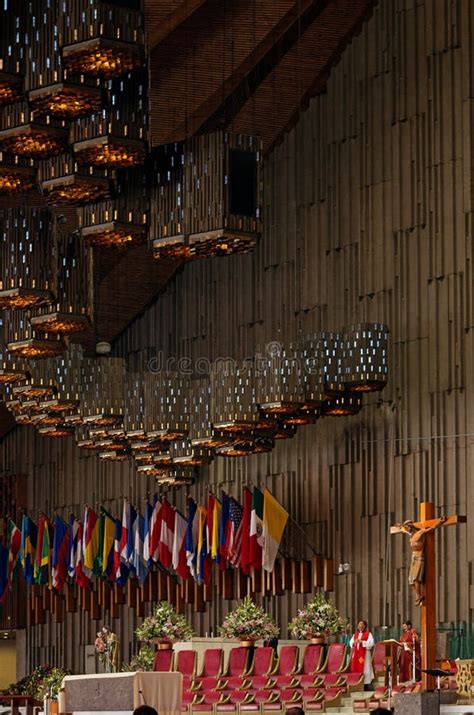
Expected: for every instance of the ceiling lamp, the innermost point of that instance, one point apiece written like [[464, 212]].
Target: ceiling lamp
[[73, 288], [58, 431], [244, 448], [11, 370], [207, 195], [23, 135], [365, 357], [101, 39], [176, 478], [26, 247], [233, 401], [332, 345], [117, 455], [115, 137], [23, 341], [16, 175], [184, 454], [102, 398], [201, 431], [166, 405], [65, 100], [343, 405], [121, 221], [280, 384], [11, 56], [63, 181]]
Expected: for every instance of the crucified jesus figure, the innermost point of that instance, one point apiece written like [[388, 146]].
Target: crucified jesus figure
[[416, 575]]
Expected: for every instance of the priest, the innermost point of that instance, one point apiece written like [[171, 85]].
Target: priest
[[362, 643]]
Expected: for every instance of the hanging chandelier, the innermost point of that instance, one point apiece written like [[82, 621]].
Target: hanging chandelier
[[166, 405], [22, 134], [11, 56], [23, 341], [365, 357], [280, 384], [206, 196], [11, 370], [102, 398], [17, 175], [64, 181]]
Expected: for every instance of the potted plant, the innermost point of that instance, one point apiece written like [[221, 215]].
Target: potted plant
[[317, 620], [164, 627], [50, 689], [248, 623], [142, 661]]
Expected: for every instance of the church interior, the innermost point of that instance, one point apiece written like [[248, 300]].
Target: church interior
[[236, 356]]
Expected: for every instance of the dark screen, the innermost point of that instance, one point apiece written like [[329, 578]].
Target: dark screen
[[243, 182]]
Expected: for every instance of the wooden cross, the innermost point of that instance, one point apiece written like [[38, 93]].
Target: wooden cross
[[428, 605]]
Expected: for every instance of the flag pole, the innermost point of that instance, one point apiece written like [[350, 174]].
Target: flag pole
[[305, 536]]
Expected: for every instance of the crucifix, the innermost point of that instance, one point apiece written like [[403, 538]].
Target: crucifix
[[422, 577]]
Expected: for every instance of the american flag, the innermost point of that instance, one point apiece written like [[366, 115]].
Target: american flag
[[234, 537]]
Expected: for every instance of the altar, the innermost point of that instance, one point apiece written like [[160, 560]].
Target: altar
[[122, 693]]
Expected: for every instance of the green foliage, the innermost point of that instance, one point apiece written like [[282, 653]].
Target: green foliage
[[164, 623], [318, 617], [248, 622], [143, 660]]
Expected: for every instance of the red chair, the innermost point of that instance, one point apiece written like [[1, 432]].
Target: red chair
[[286, 666], [237, 668], [211, 668], [336, 659], [290, 695], [316, 703], [379, 659], [354, 681], [163, 661], [185, 662], [313, 660], [259, 674]]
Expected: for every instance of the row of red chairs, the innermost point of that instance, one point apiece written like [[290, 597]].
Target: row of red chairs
[[265, 682]]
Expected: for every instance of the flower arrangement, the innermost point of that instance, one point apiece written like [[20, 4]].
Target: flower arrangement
[[249, 622], [142, 661], [52, 683], [31, 684], [319, 617], [106, 647], [165, 625]]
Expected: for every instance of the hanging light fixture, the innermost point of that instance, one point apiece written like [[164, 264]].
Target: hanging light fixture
[[233, 401], [201, 431], [120, 221], [184, 454], [22, 134], [333, 366], [26, 247], [246, 447], [280, 384], [365, 357], [166, 405], [11, 55], [207, 196], [11, 370], [17, 175], [115, 137], [101, 39], [24, 342], [102, 400], [343, 405], [64, 181], [71, 311]]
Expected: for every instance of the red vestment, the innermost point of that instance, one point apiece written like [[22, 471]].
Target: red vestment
[[358, 651], [405, 658]]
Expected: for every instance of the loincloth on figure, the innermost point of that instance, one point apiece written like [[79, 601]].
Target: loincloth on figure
[[417, 570]]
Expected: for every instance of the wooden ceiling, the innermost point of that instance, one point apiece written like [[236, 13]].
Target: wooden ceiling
[[247, 65]]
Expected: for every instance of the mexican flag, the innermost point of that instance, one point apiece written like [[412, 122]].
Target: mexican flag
[[256, 529]]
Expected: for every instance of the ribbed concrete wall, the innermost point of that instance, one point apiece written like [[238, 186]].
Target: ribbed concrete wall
[[368, 216]]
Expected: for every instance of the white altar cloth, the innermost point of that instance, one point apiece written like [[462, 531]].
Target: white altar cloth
[[122, 692]]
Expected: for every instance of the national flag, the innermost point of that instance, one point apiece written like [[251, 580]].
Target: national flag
[[165, 550], [191, 537], [73, 544], [274, 522], [3, 571], [155, 530], [60, 553], [43, 552], [123, 544], [234, 532], [146, 532], [82, 578], [179, 546], [90, 541], [214, 540], [245, 551], [204, 564], [14, 550], [223, 528], [108, 538], [132, 517], [29, 537], [119, 572], [210, 519], [140, 563], [256, 529]]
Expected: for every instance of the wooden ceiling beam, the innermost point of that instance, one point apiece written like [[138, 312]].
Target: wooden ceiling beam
[[174, 19], [218, 110]]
